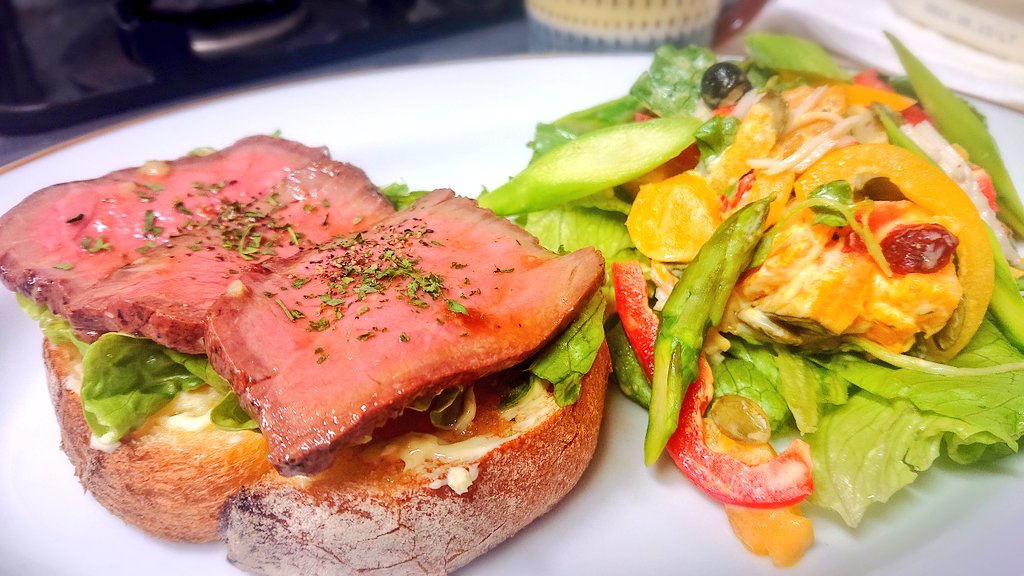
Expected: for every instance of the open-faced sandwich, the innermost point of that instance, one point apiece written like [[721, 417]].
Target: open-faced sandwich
[[254, 345]]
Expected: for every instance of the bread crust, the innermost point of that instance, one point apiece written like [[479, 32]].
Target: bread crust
[[394, 524], [171, 485], [366, 519]]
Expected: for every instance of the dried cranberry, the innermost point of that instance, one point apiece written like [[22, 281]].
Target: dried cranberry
[[918, 248]]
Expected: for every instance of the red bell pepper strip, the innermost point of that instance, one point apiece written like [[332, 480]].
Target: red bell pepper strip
[[782, 481], [723, 110], [638, 320], [742, 188], [869, 77], [985, 185], [915, 115]]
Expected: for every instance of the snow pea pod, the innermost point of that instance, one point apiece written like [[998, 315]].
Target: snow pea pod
[[593, 162], [793, 54], [960, 124], [896, 136], [697, 302], [1007, 305]]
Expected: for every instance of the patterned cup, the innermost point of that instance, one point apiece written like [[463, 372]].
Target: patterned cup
[[616, 25]]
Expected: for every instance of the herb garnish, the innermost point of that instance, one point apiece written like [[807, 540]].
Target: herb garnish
[[290, 313], [95, 244], [321, 355], [150, 226], [456, 307], [318, 325]]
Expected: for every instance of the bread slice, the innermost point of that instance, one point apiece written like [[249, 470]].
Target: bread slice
[[383, 508], [170, 478]]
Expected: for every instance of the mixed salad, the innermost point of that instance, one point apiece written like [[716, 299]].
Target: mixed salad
[[795, 253]]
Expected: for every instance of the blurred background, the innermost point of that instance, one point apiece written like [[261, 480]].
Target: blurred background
[[71, 66]]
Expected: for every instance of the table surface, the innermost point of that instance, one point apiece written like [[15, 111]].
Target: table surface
[[505, 39]]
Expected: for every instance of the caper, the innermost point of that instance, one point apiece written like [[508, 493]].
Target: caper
[[723, 84], [741, 419]]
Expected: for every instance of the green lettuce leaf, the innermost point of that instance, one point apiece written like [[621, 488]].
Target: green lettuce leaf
[[565, 361], [571, 227], [990, 402], [807, 388], [671, 86], [399, 195], [125, 380], [229, 415], [199, 366], [55, 328], [715, 135], [781, 381], [869, 448], [893, 429], [750, 371], [553, 134]]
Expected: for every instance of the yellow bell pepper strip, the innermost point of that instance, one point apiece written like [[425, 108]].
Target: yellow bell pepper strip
[[1007, 306], [778, 186], [592, 162], [782, 481], [755, 138], [697, 302], [960, 125], [927, 186], [858, 95]]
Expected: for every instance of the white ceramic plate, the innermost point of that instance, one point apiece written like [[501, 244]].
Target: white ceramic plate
[[464, 126]]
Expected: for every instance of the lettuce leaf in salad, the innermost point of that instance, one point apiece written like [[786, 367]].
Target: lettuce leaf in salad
[[572, 227], [781, 381], [749, 370], [992, 402], [715, 135], [808, 388], [671, 86], [895, 426], [549, 135], [868, 449]]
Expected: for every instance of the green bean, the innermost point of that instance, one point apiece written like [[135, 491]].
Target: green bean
[[628, 372], [697, 302]]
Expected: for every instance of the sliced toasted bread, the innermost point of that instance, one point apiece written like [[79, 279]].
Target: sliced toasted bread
[[170, 478], [371, 512]]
